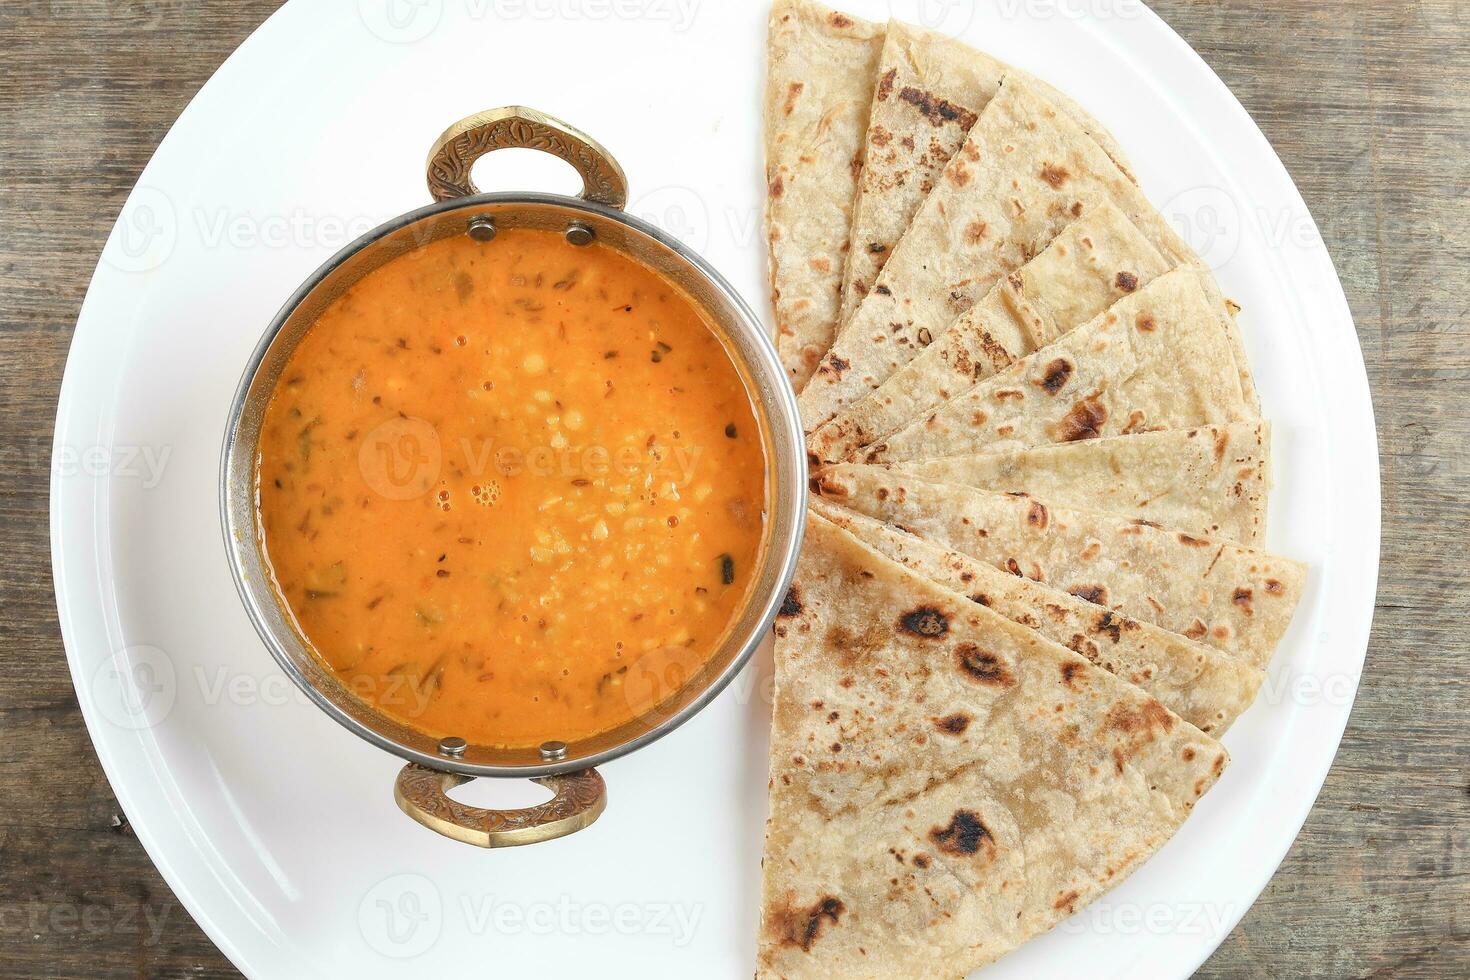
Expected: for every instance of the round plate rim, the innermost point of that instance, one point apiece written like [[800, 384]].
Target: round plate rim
[[252, 957]]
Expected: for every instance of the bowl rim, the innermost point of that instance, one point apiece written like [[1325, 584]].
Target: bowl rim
[[784, 423]]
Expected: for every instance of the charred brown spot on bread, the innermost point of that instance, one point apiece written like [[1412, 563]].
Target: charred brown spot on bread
[[825, 486], [833, 365], [982, 665], [1109, 625], [1242, 598], [1145, 323], [792, 91], [885, 85], [1065, 901], [1188, 754], [1140, 719], [1273, 587], [876, 248], [1054, 175], [791, 605], [803, 927], [1036, 515], [965, 834], [1196, 630], [953, 724], [975, 232], [1137, 422], [1095, 594], [882, 290], [1084, 420], [1054, 378], [935, 109], [925, 621], [921, 861], [1070, 670], [778, 187], [1193, 541], [980, 598], [1126, 281], [839, 20]]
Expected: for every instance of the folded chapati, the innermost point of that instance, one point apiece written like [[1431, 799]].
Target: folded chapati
[[946, 784], [930, 91], [1207, 688], [822, 67], [1095, 261], [1233, 598], [1025, 172], [1156, 359], [1210, 481]]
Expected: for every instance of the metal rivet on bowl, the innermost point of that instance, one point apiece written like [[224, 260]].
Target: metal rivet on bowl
[[553, 750], [453, 747], [580, 234], [481, 229]]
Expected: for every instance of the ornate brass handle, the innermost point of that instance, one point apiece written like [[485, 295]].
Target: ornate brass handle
[[422, 793], [456, 151]]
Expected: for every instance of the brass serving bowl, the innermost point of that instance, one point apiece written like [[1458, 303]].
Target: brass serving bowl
[[436, 765]]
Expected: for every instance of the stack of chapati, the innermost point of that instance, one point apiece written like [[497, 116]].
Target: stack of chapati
[[1032, 594]]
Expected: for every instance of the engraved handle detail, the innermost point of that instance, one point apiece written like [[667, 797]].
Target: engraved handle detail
[[456, 151], [422, 793]]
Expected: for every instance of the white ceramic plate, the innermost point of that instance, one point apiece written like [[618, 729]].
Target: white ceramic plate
[[276, 828]]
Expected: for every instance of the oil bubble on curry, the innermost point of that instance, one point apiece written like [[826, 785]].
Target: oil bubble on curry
[[513, 490]]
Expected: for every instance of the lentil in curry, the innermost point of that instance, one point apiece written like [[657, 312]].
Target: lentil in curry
[[512, 490]]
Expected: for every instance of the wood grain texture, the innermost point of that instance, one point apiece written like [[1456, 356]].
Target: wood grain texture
[[1367, 102]]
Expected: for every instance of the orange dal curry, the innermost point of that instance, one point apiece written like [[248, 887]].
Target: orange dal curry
[[514, 490]]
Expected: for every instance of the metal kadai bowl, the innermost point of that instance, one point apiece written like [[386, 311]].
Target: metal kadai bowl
[[436, 765]]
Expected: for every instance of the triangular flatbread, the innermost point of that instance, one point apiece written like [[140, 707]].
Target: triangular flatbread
[[822, 66], [1025, 172], [1155, 360], [1236, 599], [1096, 260], [946, 784], [1211, 481], [930, 91], [1207, 688]]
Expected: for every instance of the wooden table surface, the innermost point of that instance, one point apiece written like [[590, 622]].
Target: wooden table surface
[[1367, 102]]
